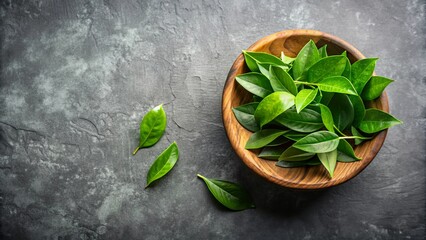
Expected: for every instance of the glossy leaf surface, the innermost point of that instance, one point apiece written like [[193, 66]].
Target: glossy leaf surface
[[374, 87], [318, 142], [323, 51], [355, 132], [327, 117], [152, 128], [336, 84], [253, 58], [342, 111], [294, 136], [163, 164], [291, 164], [329, 160], [272, 106], [286, 59], [261, 138], [255, 83], [304, 98], [307, 56], [347, 71], [245, 116], [294, 154], [278, 141], [361, 71], [359, 108], [271, 153], [326, 67], [281, 80], [346, 152], [229, 194], [376, 120], [306, 121]]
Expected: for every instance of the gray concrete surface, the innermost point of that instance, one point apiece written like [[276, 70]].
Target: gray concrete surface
[[77, 76]]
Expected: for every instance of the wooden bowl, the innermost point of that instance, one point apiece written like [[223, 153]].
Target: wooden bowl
[[316, 177]]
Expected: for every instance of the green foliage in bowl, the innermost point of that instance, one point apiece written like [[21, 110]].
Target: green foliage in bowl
[[305, 109]]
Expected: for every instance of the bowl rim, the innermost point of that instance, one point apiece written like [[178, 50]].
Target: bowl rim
[[227, 109]]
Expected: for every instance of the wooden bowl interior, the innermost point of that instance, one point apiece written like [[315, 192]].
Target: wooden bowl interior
[[316, 177]]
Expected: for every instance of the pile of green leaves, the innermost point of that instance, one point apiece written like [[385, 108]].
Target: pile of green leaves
[[152, 127], [305, 109]]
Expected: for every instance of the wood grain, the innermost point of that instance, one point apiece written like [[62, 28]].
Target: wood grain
[[291, 41]]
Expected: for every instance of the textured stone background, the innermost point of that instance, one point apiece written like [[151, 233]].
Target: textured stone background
[[77, 76]]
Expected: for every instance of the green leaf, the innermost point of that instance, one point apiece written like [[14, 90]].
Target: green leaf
[[347, 72], [374, 87], [327, 117], [323, 51], [359, 108], [163, 164], [261, 138], [255, 83], [306, 58], [326, 97], [245, 116], [346, 152], [271, 153], [294, 154], [152, 127], [376, 120], [257, 99], [361, 71], [327, 67], [278, 141], [263, 68], [307, 120], [342, 110], [272, 106], [318, 97], [281, 80], [355, 132], [336, 84], [304, 98], [253, 58], [230, 195], [318, 142], [287, 60], [294, 136], [291, 164], [329, 160]]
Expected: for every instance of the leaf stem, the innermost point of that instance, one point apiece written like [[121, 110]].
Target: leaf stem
[[355, 137], [338, 131], [136, 150], [305, 83], [200, 176]]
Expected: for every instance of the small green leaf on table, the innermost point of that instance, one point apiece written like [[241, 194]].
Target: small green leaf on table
[[163, 164], [152, 127], [230, 195]]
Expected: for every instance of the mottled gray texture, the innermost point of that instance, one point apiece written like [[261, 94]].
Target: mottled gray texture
[[77, 76]]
